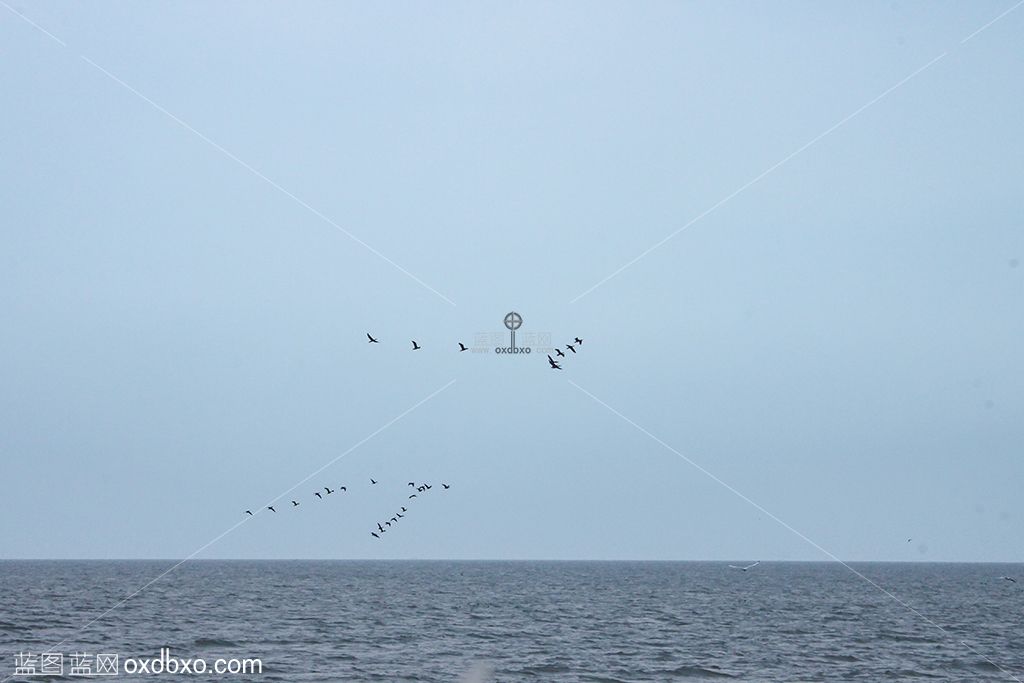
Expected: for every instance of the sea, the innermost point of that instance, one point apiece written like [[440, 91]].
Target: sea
[[472, 622]]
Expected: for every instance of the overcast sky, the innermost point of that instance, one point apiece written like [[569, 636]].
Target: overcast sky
[[184, 292]]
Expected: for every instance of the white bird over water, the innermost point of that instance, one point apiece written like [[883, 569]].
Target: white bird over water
[[743, 569]]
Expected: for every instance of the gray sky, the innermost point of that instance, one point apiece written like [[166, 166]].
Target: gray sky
[[840, 341]]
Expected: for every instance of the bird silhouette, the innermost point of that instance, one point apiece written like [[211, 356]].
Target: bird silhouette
[[387, 523], [317, 494], [394, 519], [427, 486], [379, 527], [342, 488], [559, 352], [554, 363], [421, 489], [271, 508], [1009, 578], [412, 483], [463, 347], [400, 516], [329, 490], [578, 341], [571, 347], [415, 346], [372, 340], [374, 534], [295, 503], [249, 512], [446, 486], [404, 510], [909, 540], [412, 496], [372, 480], [743, 569]]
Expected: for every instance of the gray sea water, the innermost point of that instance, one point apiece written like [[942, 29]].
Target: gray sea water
[[525, 621]]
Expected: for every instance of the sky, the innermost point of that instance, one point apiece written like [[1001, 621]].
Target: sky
[[812, 352]]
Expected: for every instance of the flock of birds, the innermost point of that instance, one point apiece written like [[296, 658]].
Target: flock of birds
[[462, 347], [381, 528], [571, 347]]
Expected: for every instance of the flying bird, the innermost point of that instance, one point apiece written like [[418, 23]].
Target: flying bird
[[415, 346], [559, 352], [295, 503], [329, 490], [249, 512], [404, 510], [1009, 578], [571, 347], [343, 488], [421, 489], [463, 347], [427, 486], [554, 363], [271, 508], [578, 341], [374, 534], [317, 494], [743, 569], [394, 519], [446, 486], [372, 340], [380, 527], [400, 516], [412, 496], [909, 540], [372, 480], [387, 523]]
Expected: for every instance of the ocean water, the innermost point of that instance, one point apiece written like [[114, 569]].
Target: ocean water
[[525, 621]]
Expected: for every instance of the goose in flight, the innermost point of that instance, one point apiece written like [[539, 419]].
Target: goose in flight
[[415, 346], [271, 508], [329, 490], [1009, 578], [463, 347], [317, 494], [374, 534], [412, 496], [372, 340], [554, 363], [571, 347], [743, 569], [295, 503], [372, 480], [249, 512], [446, 486], [559, 352], [404, 510], [578, 341], [342, 488], [380, 528]]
